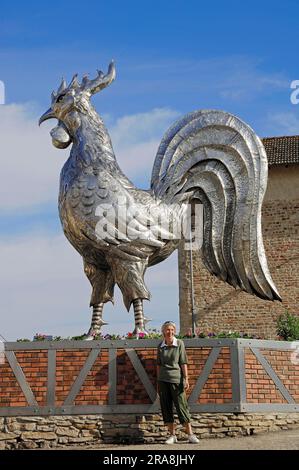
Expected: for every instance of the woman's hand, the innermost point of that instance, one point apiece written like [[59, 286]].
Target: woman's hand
[[185, 376]]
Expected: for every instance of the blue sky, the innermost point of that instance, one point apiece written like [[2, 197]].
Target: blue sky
[[171, 57], [168, 53]]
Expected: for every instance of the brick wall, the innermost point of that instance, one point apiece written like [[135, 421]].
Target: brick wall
[[130, 389], [218, 387], [218, 306], [94, 391], [34, 366], [259, 386], [95, 388]]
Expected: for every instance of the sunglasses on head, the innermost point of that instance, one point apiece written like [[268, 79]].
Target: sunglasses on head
[[168, 323]]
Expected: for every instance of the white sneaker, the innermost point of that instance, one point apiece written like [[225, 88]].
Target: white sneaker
[[193, 439], [171, 440]]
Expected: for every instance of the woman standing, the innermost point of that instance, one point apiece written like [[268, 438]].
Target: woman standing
[[172, 373]]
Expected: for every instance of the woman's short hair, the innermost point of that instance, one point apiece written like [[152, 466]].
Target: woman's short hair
[[167, 323]]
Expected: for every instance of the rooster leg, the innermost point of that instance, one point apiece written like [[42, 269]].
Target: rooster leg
[[96, 322], [140, 320]]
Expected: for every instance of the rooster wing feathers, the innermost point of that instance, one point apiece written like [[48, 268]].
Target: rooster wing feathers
[[124, 222]]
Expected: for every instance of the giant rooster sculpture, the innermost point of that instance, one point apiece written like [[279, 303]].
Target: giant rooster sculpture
[[208, 156]]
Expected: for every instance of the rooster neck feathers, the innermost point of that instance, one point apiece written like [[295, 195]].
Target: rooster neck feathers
[[92, 147]]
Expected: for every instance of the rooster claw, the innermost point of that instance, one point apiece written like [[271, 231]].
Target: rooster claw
[[91, 334], [140, 333], [88, 338]]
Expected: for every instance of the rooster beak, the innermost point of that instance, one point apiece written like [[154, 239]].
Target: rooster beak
[[47, 115]]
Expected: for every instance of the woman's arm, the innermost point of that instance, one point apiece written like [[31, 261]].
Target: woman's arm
[[158, 364], [183, 363], [184, 368]]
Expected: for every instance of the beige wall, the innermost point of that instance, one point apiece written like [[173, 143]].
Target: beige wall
[[283, 183], [220, 307]]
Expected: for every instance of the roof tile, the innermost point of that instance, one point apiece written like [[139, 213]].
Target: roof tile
[[282, 150]]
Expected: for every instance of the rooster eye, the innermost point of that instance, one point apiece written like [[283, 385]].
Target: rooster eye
[[60, 98]]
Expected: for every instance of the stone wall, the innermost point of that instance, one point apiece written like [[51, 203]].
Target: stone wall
[[89, 431], [218, 306]]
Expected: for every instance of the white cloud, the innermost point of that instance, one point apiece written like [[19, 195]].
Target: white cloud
[[244, 81], [142, 127], [136, 139], [44, 290], [31, 165], [231, 78], [282, 123]]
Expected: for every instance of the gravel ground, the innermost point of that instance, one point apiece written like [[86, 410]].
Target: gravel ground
[[278, 440]]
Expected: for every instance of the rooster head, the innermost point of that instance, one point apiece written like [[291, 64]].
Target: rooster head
[[70, 100]]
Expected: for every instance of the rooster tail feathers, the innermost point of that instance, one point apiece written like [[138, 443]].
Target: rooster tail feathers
[[220, 160]]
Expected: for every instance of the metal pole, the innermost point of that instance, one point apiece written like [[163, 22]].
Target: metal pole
[[192, 282]]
